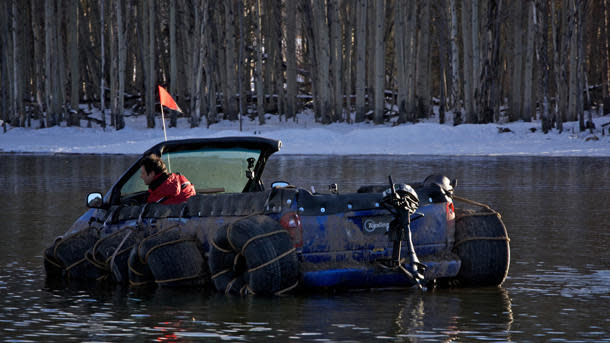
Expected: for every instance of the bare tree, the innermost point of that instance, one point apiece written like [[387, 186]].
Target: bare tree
[[455, 66], [423, 75], [443, 41], [336, 53], [73, 24], [361, 9], [528, 107], [476, 64], [489, 99], [468, 61], [119, 121], [173, 63], [230, 107], [573, 86], [259, 66], [517, 65], [543, 63], [291, 59], [17, 97], [37, 28], [348, 16], [606, 59], [400, 36], [411, 45], [379, 61], [321, 35], [50, 91], [148, 10]]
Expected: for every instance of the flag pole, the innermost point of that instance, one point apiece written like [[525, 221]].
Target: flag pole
[[169, 164], [163, 120]]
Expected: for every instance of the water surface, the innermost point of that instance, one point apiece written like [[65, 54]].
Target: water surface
[[556, 211]]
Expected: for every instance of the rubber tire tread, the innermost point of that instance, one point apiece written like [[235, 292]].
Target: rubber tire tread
[[142, 274], [484, 262], [267, 280], [71, 249], [107, 246], [176, 261]]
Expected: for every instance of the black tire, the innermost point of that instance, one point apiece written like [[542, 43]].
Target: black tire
[[254, 255], [104, 253], [173, 257], [67, 257], [138, 271], [482, 244]]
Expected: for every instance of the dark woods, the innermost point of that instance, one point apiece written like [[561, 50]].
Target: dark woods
[[344, 59]]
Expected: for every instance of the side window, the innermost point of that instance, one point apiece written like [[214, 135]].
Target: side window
[[213, 168], [206, 169], [135, 184]]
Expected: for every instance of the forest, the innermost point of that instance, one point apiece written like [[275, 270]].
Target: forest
[[346, 60]]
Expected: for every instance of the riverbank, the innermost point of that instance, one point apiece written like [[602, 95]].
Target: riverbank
[[305, 136]]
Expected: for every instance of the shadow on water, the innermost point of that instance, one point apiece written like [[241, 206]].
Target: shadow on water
[[558, 288]]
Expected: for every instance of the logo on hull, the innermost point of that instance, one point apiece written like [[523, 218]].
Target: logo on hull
[[372, 225]]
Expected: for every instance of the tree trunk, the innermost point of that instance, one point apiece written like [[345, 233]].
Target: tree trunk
[[557, 40], [581, 77], [379, 61], [291, 59], [370, 56], [400, 35], [149, 46], [73, 18], [476, 64], [468, 61], [122, 47], [260, 106], [443, 56], [38, 74], [361, 9], [278, 67], [529, 107], [211, 66], [606, 59], [455, 66], [411, 45], [17, 96], [348, 15], [543, 63], [423, 62], [48, 28], [199, 47], [231, 74], [517, 70], [336, 56], [240, 64], [573, 66], [102, 64], [173, 67], [489, 88], [114, 62], [323, 51]]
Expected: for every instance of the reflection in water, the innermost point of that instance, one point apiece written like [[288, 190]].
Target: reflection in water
[[558, 287]]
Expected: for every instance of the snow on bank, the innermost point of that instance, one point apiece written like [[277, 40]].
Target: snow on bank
[[308, 137]]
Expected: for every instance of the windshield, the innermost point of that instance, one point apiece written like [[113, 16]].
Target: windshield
[[210, 170]]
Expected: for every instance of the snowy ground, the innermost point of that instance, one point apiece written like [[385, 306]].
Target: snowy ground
[[308, 137]]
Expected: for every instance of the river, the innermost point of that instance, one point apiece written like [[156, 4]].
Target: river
[[556, 211]]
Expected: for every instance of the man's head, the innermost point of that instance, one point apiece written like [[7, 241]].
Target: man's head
[[152, 166]]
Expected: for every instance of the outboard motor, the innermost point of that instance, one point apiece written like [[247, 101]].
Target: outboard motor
[[441, 185], [402, 201]]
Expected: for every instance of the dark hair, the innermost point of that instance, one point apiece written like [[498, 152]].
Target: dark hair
[[154, 163]]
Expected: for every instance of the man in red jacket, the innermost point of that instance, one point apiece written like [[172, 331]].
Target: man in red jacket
[[163, 187]]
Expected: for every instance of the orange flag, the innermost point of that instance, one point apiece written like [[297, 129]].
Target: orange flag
[[167, 100]]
